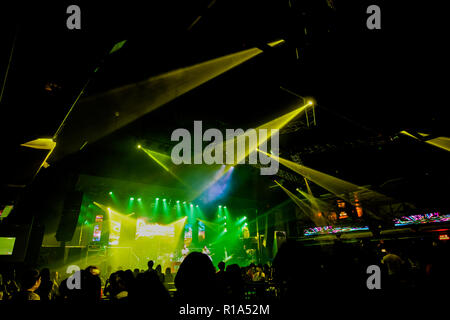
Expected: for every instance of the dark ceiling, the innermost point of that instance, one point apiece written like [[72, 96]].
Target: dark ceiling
[[368, 84]]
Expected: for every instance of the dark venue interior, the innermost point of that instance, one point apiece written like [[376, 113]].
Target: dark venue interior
[[125, 178]]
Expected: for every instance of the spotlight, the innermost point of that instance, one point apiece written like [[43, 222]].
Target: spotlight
[[157, 199], [224, 207], [245, 218], [184, 202], [310, 102], [196, 205], [192, 205], [109, 209], [110, 193], [225, 217], [220, 206], [164, 200], [178, 201], [132, 198], [225, 230], [139, 146], [139, 199]]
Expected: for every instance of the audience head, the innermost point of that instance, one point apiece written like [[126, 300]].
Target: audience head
[[196, 278], [45, 274], [31, 280], [149, 290], [221, 266], [93, 270], [150, 264]]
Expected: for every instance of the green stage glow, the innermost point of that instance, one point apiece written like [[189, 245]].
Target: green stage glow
[[166, 210], [227, 213], [140, 204], [130, 204], [178, 211], [156, 206], [113, 197], [150, 241]]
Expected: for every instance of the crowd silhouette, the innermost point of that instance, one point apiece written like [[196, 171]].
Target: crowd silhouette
[[297, 271]]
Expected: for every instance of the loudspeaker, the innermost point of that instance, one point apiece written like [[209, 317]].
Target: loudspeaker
[[69, 217]]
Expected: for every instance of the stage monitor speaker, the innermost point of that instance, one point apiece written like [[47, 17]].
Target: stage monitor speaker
[[69, 217]]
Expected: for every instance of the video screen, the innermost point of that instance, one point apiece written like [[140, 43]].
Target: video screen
[[4, 212], [7, 246], [151, 230]]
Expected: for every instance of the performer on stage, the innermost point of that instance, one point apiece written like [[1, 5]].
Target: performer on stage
[[184, 252], [206, 251]]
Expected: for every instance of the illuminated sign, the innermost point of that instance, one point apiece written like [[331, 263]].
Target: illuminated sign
[[144, 229], [114, 233], [6, 211], [422, 219], [201, 231], [187, 234], [331, 230], [444, 237], [343, 215], [98, 228]]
